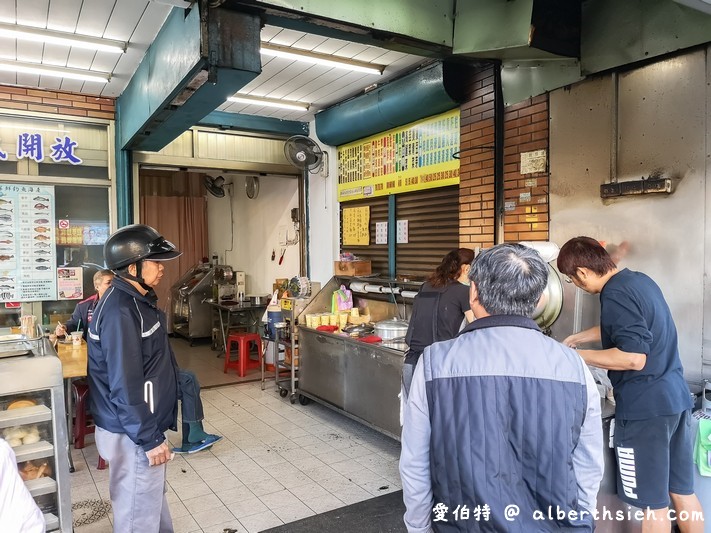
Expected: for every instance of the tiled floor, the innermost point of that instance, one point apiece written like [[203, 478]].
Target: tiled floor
[[276, 463], [208, 364]]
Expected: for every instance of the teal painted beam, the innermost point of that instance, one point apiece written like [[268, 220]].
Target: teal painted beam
[[520, 29], [620, 33], [430, 21], [124, 188], [392, 236], [524, 79], [161, 74], [237, 121], [197, 61], [423, 93]]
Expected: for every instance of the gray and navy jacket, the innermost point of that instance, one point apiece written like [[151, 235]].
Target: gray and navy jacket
[[500, 416], [132, 372]]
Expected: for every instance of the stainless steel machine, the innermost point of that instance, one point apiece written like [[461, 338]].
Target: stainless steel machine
[[33, 422], [192, 315]]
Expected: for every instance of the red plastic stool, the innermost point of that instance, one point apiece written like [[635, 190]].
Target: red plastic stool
[[102, 464], [243, 361]]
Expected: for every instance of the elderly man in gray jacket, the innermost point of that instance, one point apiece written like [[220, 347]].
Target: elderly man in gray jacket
[[502, 428]]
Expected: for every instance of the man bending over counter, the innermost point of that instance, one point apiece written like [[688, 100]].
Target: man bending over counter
[[652, 436]]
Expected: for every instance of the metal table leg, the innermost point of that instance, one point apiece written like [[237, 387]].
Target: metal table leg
[[222, 330], [70, 424]]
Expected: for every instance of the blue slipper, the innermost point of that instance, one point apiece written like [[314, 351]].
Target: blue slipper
[[209, 441]]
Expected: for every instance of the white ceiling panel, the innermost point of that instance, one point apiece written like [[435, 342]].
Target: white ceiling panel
[[72, 86], [56, 55], [32, 13], [80, 58], [7, 11], [307, 42], [137, 22], [124, 20], [94, 16], [63, 15], [7, 48], [29, 51]]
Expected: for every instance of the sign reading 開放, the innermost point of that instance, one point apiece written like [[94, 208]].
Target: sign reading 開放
[[416, 156], [32, 146]]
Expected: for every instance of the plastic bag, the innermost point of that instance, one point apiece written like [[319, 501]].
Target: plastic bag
[[342, 300]]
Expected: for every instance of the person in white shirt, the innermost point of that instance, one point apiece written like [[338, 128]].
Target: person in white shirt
[[18, 511]]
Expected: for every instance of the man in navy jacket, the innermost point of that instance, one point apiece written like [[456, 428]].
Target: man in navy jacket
[[502, 428], [133, 379]]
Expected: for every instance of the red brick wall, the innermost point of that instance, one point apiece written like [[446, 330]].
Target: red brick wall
[[525, 130], [56, 102], [476, 164]]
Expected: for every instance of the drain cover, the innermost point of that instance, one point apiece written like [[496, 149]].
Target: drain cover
[[89, 511]]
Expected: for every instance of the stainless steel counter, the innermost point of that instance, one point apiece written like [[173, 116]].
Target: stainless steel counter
[[360, 379]]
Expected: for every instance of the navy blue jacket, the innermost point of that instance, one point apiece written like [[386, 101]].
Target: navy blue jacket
[[132, 370], [82, 315], [500, 416]]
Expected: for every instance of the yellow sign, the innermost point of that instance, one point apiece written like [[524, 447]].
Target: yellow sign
[[356, 226], [413, 157], [286, 304]]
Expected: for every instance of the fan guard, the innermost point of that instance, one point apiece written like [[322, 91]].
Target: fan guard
[[215, 186], [303, 152]]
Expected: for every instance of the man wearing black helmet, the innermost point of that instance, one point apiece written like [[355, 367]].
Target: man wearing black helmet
[[133, 379]]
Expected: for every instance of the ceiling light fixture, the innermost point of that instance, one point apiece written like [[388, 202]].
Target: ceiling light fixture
[[268, 102], [28, 33], [321, 59], [55, 72]]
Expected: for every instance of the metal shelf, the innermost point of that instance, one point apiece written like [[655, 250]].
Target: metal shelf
[[51, 521], [36, 450], [25, 415], [43, 485]]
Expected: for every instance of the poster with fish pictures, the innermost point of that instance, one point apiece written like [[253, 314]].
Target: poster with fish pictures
[[28, 253]]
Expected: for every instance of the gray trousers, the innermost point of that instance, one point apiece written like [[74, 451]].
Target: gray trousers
[[137, 490]]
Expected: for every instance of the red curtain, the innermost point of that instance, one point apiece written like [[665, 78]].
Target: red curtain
[[174, 204]]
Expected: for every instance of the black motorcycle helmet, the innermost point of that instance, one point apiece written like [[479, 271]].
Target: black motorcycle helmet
[[134, 243]]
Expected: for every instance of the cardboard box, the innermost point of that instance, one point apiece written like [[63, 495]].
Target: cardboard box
[[351, 268]]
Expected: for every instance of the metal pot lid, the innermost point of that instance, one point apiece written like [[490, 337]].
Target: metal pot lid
[[392, 324], [548, 309]]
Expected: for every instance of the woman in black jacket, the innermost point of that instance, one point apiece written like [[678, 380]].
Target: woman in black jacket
[[439, 308]]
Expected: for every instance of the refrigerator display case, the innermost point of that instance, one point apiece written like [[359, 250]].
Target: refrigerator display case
[[33, 422], [192, 315]]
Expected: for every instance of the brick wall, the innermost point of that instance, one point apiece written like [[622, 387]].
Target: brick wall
[[56, 102], [526, 196], [476, 163]]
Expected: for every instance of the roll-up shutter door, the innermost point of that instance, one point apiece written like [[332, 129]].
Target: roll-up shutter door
[[433, 225], [377, 254]]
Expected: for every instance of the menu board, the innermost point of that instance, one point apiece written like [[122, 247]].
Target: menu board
[[356, 223], [28, 253], [417, 156]]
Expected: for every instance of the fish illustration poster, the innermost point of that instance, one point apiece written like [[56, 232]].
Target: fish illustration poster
[[28, 252]]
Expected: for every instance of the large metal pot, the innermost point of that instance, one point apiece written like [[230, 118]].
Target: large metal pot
[[551, 301], [391, 329]]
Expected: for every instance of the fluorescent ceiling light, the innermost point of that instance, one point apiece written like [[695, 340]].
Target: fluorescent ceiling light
[[268, 102], [56, 72], [320, 59], [28, 33]]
